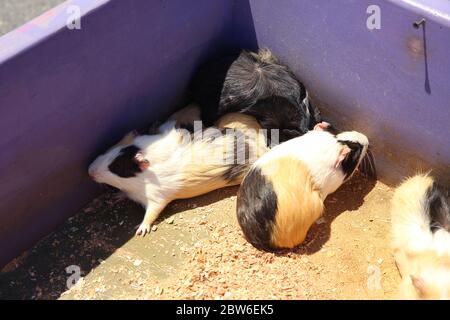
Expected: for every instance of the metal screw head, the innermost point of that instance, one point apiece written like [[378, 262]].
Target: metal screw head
[[417, 24]]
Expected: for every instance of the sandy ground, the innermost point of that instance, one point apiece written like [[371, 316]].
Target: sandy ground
[[197, 251]]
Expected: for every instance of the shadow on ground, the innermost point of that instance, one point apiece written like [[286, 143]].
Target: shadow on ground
[[349, 197], [87, 239], [115, 264]]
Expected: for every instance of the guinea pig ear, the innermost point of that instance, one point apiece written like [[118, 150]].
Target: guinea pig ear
[[141, 161], [345, 151], [322, 126]]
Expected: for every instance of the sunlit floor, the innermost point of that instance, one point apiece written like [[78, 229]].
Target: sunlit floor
[[197, 251]]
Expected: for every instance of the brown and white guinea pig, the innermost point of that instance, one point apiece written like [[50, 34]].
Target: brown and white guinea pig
[[421, 238], [282, 194], [155, 169], [256, 84]]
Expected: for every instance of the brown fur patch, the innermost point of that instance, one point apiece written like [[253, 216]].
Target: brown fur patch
[[298, 199], [238, 121]]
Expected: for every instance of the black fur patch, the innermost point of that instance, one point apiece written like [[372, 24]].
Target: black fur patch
[[256, 209], [316, 115], [350, 162], [249, 79], [279, 113], [438, 208], [236, 82], [207, 86], [186, 126], [368, 166], [124, 165], [234, 171]]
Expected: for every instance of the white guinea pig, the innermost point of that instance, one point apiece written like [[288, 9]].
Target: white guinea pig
[[421, 238], [283, 193], [174, 164]]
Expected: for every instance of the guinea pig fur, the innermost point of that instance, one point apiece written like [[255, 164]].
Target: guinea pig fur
[[156, 169], [181, 119], [420, 219], [255, 84], [282, 194]]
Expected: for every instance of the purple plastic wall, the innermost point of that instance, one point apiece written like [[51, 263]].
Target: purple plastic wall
[[65, 95], [392, 84]]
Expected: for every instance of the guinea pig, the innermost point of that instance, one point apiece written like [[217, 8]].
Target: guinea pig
[[181, 119], [258, 85], [282, 194], [155, 169], [420, 218]]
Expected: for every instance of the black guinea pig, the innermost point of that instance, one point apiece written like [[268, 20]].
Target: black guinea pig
[[258, 85]]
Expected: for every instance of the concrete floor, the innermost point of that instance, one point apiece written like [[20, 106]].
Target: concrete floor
[[197, 252], [14, 13]]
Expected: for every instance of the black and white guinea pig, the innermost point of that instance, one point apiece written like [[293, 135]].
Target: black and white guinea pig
[[174, 164], [255, 84], [282, 195], [420, 216]]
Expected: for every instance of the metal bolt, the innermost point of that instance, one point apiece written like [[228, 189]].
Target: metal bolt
[[417, 24]]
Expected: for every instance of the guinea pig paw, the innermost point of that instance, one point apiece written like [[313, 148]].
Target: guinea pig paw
[[143, 229]]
